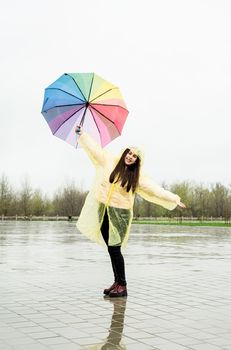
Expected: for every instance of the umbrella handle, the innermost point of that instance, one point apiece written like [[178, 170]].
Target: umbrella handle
[[77, 139], [77, 132]]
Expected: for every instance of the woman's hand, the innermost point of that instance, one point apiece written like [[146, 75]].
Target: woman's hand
[[79, 130], [182, 205]]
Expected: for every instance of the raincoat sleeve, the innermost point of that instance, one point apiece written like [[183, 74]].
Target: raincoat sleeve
[[93, 150], [156, 194]]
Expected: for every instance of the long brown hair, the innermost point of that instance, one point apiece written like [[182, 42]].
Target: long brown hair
[[128, 175]]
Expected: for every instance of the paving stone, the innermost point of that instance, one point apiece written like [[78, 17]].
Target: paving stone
[[66, 347], [42, 335], [23, 324], [32, 346], [55, 340], [33, 329], [6, 347], [20, 341], [69, 332], [204, 346], [139, 346]]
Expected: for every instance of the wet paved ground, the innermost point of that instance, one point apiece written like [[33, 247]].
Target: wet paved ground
[[52, 278]]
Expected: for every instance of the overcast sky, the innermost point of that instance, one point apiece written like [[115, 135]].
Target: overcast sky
[[171, 60]]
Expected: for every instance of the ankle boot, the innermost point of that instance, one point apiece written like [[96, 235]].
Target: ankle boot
[[107, 291], [118, 291]]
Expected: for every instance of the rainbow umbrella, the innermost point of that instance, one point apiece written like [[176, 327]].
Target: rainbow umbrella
[[84, 99]]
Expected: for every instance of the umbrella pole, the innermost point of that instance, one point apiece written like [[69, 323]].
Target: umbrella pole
[[83, 117]]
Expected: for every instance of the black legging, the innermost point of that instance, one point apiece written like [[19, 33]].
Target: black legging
[[117, 259]]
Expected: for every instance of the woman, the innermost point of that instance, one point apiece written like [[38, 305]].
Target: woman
[[107, 213]]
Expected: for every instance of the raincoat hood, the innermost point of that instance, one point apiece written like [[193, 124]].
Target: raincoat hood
[[139, 151]]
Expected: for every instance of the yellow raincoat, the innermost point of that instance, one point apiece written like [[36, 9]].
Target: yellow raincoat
[[114, 198]]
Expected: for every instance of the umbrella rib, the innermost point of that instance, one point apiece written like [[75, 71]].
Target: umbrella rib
[[96, 123], [75, 104], [67, 120], [77, 86], [68, 93], [104, 104], [103, 94], [91, 87], [106, 118]]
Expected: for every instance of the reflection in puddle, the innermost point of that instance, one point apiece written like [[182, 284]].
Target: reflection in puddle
[[114, 338]]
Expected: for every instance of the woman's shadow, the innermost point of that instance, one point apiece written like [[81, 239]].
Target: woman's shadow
[[114, 338]]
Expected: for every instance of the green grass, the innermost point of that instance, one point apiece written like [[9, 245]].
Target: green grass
[[184, 223]]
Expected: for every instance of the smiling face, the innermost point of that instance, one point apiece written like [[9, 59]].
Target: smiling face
[[130, 157]]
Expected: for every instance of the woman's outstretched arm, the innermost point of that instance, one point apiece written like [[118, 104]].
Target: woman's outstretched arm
[[92, 148], [157, 194]]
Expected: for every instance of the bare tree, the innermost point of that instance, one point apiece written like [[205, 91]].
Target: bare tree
[[40, 204], [220, 196], [69, 200], [6, 195], [25, 196]]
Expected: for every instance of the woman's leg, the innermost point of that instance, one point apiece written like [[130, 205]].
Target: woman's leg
[[105, 234], [105, 228], [118, 261], [118, 289]]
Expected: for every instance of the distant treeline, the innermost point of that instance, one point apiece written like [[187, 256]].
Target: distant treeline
[[202, 201]]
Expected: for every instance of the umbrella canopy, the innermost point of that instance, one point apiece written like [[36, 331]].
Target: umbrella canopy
[[84, 99]]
